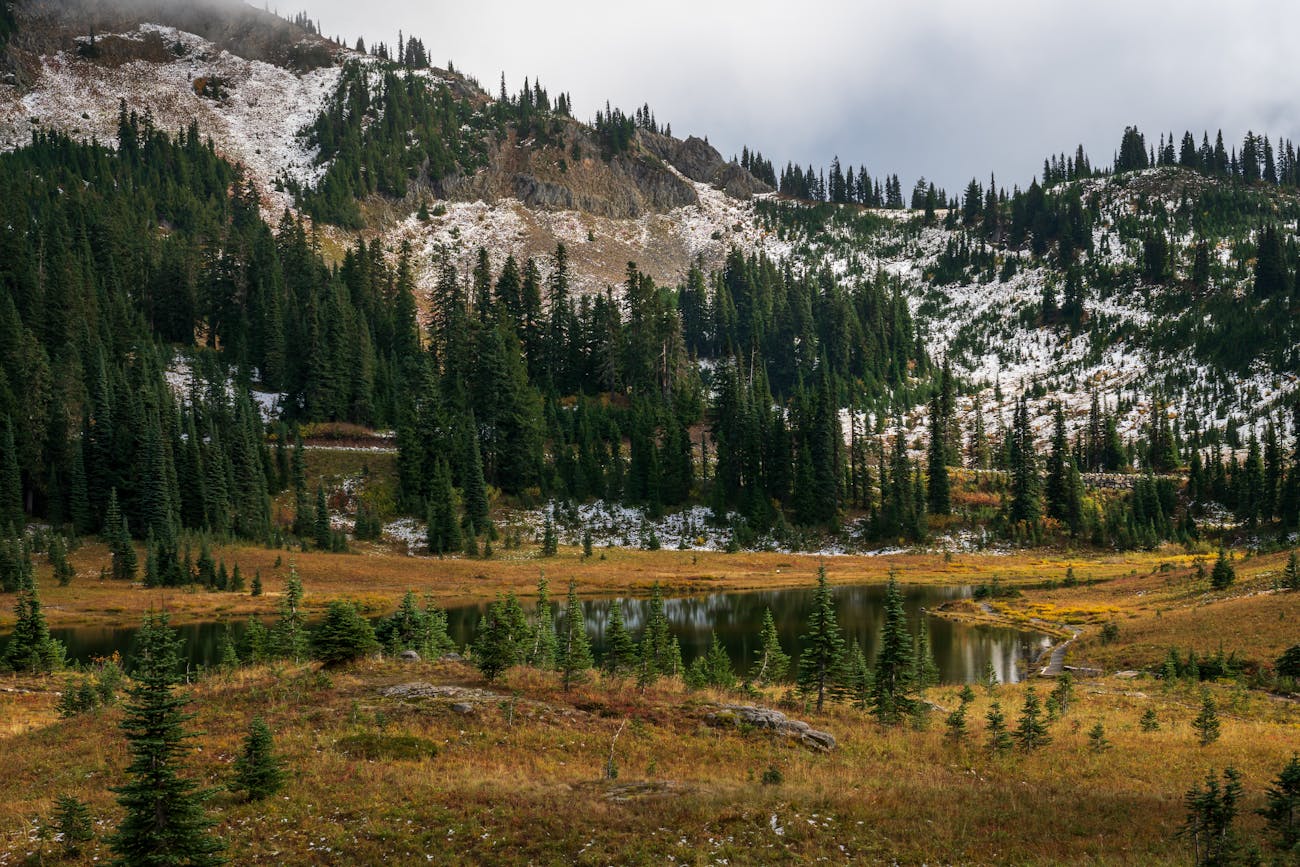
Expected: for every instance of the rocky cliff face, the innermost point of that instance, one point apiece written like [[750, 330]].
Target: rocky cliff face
[[51, 26], [654, 176], [700, 161]]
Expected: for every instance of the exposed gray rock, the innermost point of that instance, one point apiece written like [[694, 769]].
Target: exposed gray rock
[[409, 656], [700, 161], [765, 718], [462, 707], [420, 689]]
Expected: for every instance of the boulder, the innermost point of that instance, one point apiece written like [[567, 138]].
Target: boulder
[[765, 718], [409, 656]]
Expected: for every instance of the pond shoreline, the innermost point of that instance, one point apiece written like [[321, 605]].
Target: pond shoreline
[[376, 580]]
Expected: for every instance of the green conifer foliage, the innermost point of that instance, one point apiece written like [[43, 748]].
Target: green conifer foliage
[[165, 821], [772, 663], [72, 818], [894, 689], [259, 771], [344, 636], [823, 644], [1031, 730], [620, 648], [573, 656]]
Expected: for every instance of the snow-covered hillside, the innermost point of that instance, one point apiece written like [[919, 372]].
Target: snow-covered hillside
[[256, 118], [982, 326], [256, 112], [255, 121]]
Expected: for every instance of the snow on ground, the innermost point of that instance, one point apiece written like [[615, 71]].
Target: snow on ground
[[180, 378], [977, 324], [256, 122], [662, 245]]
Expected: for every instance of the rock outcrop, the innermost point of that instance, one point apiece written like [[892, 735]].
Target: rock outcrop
[[767, 719], [700, 161]]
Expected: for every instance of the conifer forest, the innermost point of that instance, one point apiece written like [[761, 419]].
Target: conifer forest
[[397, 468]]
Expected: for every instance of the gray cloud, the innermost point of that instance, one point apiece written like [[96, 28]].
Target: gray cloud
[[946, 88]]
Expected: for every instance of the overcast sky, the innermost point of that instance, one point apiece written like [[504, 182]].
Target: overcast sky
[[948, 89]]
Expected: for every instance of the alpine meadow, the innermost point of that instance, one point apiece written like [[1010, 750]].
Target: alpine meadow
[[401, 469]]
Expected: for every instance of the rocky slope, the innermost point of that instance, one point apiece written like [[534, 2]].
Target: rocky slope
[[253, 82]]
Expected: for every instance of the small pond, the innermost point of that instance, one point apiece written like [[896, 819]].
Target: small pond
[[962, 651]]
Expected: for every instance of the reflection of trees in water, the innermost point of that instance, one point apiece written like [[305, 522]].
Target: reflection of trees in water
[[960, 650]]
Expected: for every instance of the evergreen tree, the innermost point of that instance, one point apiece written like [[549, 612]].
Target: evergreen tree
[[661, 655], [443, 525], [289, 637], [1207, 721], [1223, 575], [165, 821], [58, 554], [1031, 730], [550, 541], [1024, 506], [853, 680], [255, 646], [925, 671], [1097, 740], [620, 649], [1149, 722], [1291, 573], [11, 483], [545, 642], [475, 489], [938, 494], [1063, 693], [893, 696], [344, 636], [956, 721], [496, 641], [1282, 810], [712, 669], [773, 662], [321, 530], [72, 818], [823, 643], [259, 771], [1211, 812], [999, 739], [118, 538], [228, 656], [1062, 491], [30, 647]]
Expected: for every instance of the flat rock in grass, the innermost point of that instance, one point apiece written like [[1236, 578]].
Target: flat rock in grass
[[469, 700], [767, 719], [624, 792], [450, 693]]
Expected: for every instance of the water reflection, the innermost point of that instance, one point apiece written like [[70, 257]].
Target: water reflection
[[962, 651]]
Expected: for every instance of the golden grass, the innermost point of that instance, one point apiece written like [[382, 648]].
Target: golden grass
[[530, 787], [376, 576]]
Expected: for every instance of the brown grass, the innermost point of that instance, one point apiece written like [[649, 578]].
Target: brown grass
[[529, 786], [377, 576]]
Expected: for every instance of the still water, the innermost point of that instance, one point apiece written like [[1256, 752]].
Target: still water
[[962, 651]]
